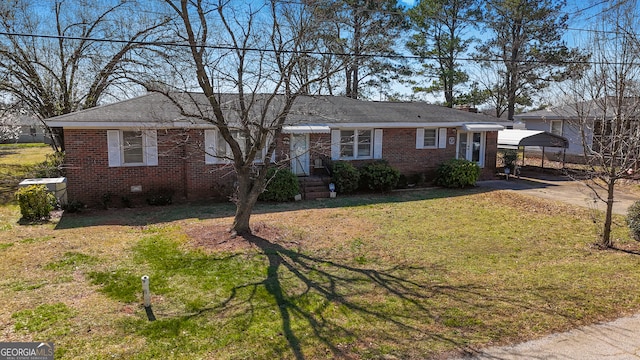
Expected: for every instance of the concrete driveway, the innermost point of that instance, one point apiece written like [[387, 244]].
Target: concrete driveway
[[561, 188]]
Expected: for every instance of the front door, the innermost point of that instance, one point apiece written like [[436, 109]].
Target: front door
[[300, 154], [471, 147]]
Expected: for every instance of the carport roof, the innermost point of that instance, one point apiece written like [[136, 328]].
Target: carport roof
[[512, 138]]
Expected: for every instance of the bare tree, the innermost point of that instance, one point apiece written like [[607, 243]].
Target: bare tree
[[66, 55], [245, 49], [608, 106]]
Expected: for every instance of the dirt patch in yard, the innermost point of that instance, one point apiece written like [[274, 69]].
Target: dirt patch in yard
[[213, 238], [531, 204]]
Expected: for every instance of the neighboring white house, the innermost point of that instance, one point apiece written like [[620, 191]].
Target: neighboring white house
[[585, 124], [561, 121], [31, 130]]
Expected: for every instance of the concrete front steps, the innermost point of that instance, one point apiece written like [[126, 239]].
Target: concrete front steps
[[314, 187]]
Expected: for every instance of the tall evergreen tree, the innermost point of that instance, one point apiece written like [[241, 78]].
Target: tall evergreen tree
[[440, 40], [527, 43], [364, 34]]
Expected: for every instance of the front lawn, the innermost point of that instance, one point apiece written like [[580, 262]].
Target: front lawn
[[16, 162], [411, 275]]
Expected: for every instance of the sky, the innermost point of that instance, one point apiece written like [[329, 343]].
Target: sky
[[407, 2]]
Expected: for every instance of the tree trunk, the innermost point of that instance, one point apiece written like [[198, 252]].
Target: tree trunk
[[243, 214], [348, 82], [606, 241], [249, 189]]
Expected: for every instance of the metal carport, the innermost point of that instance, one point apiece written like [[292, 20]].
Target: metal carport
[[519, 139]]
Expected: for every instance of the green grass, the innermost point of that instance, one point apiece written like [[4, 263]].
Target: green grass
[[16, 161], [410, 275], [47, 319], [70, 261]]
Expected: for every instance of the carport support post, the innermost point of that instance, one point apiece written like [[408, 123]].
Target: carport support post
[[543, 158]]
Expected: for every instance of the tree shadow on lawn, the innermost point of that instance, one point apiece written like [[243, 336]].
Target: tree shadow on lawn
[[159, 214], [366, 293]]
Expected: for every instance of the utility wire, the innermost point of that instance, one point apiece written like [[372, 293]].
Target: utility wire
[[262, 50]]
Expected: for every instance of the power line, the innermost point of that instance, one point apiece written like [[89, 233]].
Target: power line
[[262, 50]]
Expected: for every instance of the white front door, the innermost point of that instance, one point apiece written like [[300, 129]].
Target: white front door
[[471, 147], [300, 154]]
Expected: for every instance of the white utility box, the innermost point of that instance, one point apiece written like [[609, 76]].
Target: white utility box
[[57, 186]]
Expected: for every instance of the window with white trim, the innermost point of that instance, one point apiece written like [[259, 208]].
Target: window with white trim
[[217, 150], [132, 147], [556, 127], [356, 143], [430, 138]]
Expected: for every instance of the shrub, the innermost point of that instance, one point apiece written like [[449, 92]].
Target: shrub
[[282, 185], [403, 182], [51, 167], [126, 201], [106, 199], [379, 176], [160, 197], [509, 158], [35, 202], [73, 206], [457, 173], [417, 179], [345, 176], [633, 220]]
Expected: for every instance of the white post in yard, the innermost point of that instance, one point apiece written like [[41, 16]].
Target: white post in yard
[[145, 291]]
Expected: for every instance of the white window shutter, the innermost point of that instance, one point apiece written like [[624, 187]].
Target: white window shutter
[[419, 138], [210, 137], [151, 147], [377, 144], [335, 144], [442, 138], [113, 143]]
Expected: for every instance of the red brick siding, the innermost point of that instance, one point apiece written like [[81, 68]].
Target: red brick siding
[[491, 156], [181, 164], [181, 168], [399, 149]]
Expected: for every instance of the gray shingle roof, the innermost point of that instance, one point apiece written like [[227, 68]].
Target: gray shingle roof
[[155, 108], [582, 110]]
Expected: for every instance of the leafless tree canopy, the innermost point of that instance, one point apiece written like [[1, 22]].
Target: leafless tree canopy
[[607, 101], [251, 60], [61, 56]]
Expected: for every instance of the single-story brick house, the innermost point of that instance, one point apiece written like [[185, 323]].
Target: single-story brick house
[[144, 144]]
